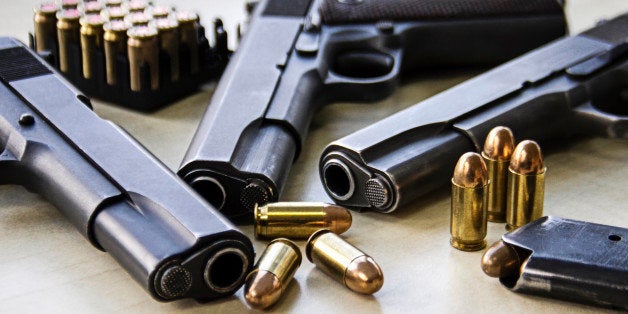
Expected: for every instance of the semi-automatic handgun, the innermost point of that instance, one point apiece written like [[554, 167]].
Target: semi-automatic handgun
[[300, 54], [119, 196], [574, 85]]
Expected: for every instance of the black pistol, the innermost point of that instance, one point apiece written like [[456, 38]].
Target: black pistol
[[119, 196], [300, 54], [574, 85]]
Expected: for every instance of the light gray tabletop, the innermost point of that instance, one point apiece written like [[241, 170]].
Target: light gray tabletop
[[47, 266]]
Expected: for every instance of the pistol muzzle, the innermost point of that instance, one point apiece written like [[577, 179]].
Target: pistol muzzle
[[469, 187], [299, 220], [272, 274], [497, 152], [344, 262], [526, 185]]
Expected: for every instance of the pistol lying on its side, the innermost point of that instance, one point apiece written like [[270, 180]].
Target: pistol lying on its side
[[573, 85], [116, 193], [299, 54]]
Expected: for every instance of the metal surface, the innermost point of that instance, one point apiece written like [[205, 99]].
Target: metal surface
[[570, 86], [526, 185], [497, 151], [572, 260], [290, 63], [114, 192]]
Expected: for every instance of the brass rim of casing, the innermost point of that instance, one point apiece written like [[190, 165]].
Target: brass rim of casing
[[310, 242]]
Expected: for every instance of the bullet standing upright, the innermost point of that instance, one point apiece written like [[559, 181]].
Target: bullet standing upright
[[496, 154], [143, 51], [469, 191], [115, 47], [68, 36], [91, 41], [526, 185], [45, 26]]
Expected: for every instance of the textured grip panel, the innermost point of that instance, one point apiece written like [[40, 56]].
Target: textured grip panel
[[364, 11], [18, 63]]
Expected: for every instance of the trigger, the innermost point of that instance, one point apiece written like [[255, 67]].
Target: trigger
[[361, 64]]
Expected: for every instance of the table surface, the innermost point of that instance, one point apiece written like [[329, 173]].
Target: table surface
[[45, 264]]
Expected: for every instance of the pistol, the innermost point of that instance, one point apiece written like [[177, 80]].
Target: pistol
[[574, 85], [119, 196], [300, 54]]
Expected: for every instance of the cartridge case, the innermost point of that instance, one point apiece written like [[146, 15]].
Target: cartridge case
[[299, 220], [115, 47], [189, 28], [272, 274], [526, 185], [68, 35], [160, 12], [91, 41], [497, 152], [46, 26], [469, 192], [169, 43], [344, 262], [143, 52]]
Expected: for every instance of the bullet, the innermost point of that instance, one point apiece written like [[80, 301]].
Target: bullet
[[113, 3], [69, 4], [68, 34], [299, 220], [115, 47], [91, 40], [46, 26], [469, 192], [344, 262], [143, 50], [92, 7], [169, 43], [160, 12], [501, 261], [189, 27], [116, 13], [497, 151], [136, 6], [526, 185], [138, 19], [272, 274]]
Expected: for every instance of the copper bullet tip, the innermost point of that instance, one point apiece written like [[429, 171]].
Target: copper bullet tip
[[527, 159], [339, 217], [262, 289], [470, 171], [499, 144], [500, 260], [363, 275]]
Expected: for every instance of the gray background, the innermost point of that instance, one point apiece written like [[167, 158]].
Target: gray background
[[45, 265]]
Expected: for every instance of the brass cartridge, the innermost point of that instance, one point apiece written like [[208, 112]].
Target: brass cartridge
[[115, 13], [69, 4], [138, 19], [137, 6], [92, 7], [469, 187], [115, 46], [169, 43], [160, 12], [497, 151], [143, 50], [68, 34], [91, 41], [526, 185], [113, 3], [45, 26], [189, 28], [299, 220], [272, 274], [344, 262]]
